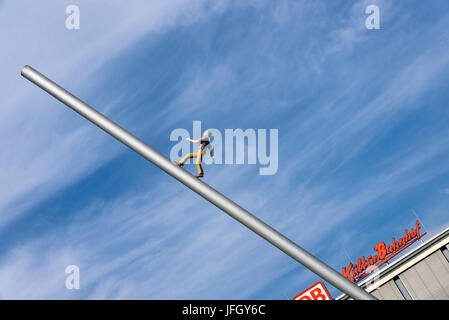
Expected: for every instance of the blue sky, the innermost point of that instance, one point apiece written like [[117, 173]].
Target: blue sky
[[363, 140]]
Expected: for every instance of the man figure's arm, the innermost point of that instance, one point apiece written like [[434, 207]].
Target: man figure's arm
[[211, 150], [193, 141]]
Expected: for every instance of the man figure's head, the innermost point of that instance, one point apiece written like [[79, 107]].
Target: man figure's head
[[207, 134]]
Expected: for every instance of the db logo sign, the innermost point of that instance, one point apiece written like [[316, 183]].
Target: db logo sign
[[316, 292]]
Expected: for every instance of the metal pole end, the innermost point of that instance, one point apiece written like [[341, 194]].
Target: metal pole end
[[25, 70]]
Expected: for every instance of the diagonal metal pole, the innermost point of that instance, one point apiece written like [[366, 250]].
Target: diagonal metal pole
[[231, 208]]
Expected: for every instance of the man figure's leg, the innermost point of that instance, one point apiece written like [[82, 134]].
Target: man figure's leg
[[187, 156], [199, 157]]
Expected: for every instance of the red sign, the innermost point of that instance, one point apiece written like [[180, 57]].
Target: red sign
[[316, 292], [365, 266]]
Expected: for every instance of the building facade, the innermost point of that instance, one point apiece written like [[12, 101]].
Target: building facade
[[421, 274]]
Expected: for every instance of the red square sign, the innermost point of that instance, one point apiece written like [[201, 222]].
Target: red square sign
[[316, 292]]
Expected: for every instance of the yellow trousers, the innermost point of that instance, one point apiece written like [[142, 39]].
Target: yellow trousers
[[199, 158]]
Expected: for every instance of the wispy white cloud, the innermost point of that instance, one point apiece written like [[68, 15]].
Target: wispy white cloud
[[354, 127], [169, 243], [172, 246], [47, 150]]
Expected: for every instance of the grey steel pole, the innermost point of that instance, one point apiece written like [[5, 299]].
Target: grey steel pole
[[231, 208]]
